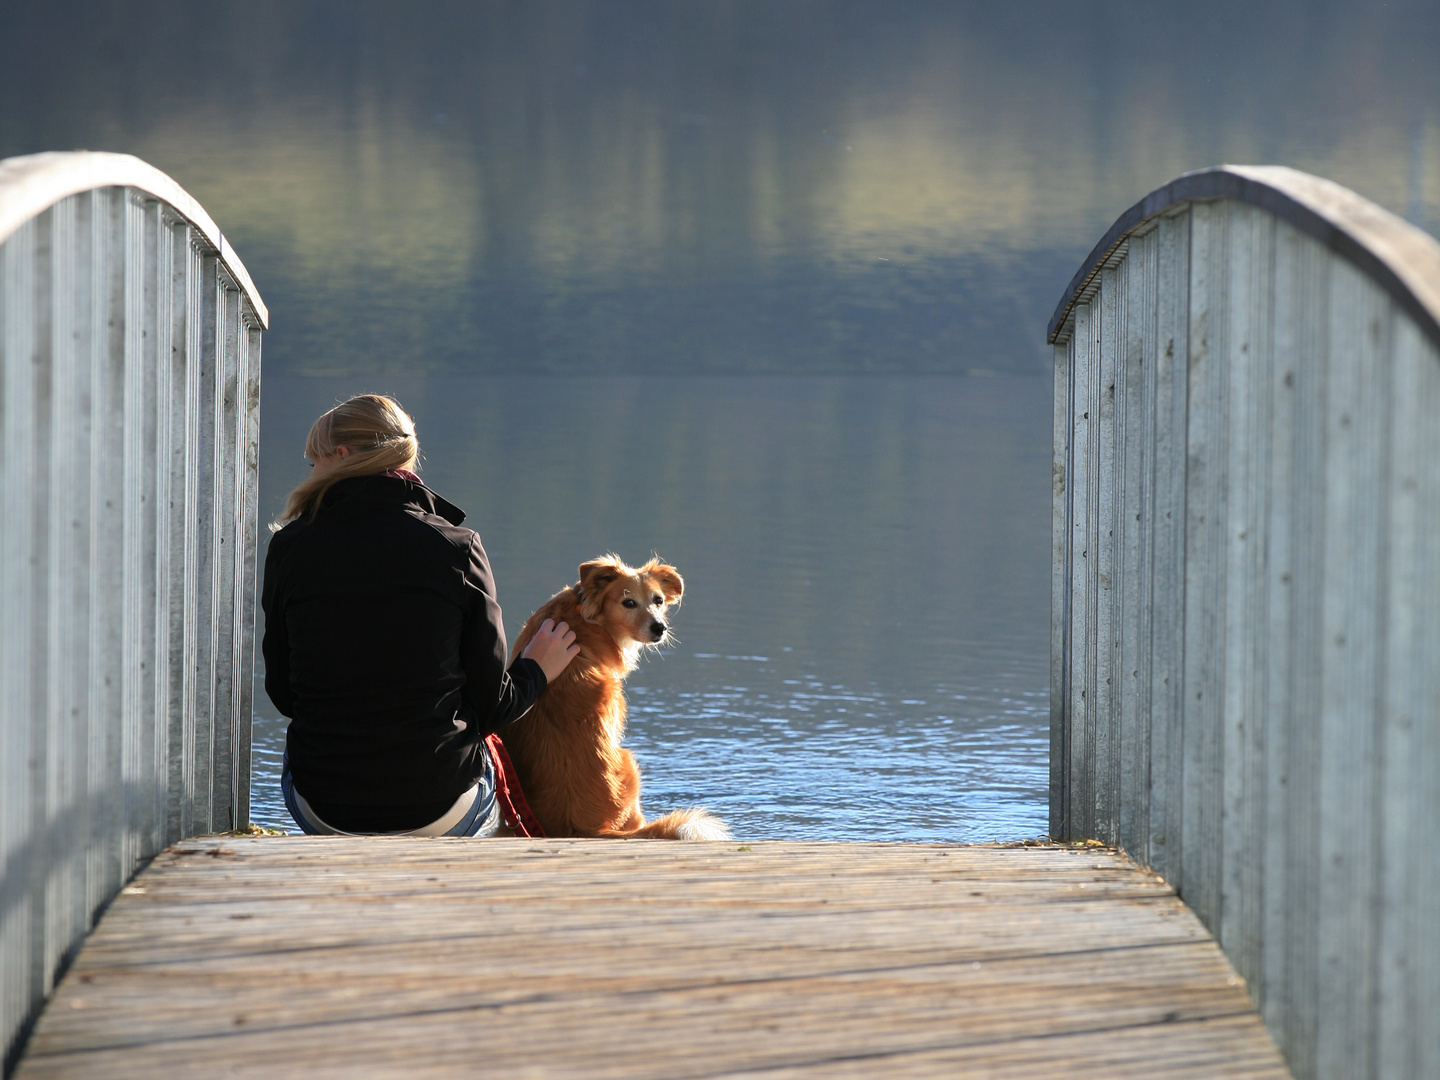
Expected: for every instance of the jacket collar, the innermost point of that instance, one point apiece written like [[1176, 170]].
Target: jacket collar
[[394, 489]]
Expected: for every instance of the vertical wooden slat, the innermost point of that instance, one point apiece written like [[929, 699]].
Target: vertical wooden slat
[[14, 820], [1418, 721], [200, 556], [1205, 503], [66, 463], [1409, 975], [1311, 451], [1243, 702], [1167, 591], [1059, 583], [155, 337], [1354, 628], [1091, 770], [137, 598], [1276, 627], [179, 527], [107, 493], [1079, 764], [1286, 988], [51, 901], [25, 284], [1133, 659], [1410, 753], [247, 547], [1109, 445], [227, 509]]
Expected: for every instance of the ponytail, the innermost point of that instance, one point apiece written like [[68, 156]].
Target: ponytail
[[380, 436]]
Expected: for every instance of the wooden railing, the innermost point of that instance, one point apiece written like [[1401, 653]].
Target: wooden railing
[[129, 425], [1245, 665]]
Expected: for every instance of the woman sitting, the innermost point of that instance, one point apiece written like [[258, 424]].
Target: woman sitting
[[384, 643]]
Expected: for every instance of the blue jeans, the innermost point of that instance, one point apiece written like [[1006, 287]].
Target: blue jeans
[[480, 813]]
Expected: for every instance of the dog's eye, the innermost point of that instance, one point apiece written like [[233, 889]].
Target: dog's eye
[[629, 601], [657, 601]]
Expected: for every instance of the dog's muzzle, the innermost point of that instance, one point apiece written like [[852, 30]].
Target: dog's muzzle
[[658, 630]]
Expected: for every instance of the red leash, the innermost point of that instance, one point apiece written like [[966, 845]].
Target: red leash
[[516, 810]]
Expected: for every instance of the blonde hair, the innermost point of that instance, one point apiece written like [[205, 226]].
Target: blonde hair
[[380, 436]]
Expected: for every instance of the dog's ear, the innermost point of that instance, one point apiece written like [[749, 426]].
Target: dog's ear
[[595, 576], [669, 580]]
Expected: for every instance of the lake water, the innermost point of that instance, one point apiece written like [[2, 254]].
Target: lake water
[[759, 286], [863, 640]]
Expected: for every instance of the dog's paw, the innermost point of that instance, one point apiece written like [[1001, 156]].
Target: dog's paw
[[703, 826]]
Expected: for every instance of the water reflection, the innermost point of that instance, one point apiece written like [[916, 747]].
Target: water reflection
[[863, 641], [725, 186]]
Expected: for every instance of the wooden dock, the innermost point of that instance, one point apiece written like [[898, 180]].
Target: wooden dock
[[579, 958]]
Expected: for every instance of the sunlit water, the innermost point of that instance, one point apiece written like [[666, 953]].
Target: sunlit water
[[863, 640]]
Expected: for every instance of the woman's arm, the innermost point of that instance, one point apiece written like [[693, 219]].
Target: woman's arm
[[499, 697], [275, 646]]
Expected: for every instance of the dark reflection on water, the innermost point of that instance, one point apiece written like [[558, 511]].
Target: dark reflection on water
[[706, 186], [863, 640], [628, 195]]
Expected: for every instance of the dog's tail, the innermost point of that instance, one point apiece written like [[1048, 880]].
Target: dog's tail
[[692, 824]]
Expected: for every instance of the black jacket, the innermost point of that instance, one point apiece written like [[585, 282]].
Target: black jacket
[[384, 645]]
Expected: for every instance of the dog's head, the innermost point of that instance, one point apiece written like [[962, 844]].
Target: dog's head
[[630, 602]]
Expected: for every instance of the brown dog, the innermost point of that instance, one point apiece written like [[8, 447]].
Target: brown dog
[[576, 776]]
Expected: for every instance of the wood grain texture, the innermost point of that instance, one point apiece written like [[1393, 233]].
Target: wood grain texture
[[1109, 566], [1167, 588], [1084, 371], [1352, 713], [1134, 530], [338, 956], [1410, 799], [1284, 540], [1242, 697], [1206, 507], [1059, 548], [1288, 996], [1280, 584], [129, 469]]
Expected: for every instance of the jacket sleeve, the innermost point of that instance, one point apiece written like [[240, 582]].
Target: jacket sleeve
[[275, 646], [498, 697]]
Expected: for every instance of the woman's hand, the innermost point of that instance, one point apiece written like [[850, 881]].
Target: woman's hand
[[552, 647]]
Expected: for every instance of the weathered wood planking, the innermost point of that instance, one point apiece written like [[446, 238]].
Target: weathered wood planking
[[1246, 639], [637, 959], [129, 442]]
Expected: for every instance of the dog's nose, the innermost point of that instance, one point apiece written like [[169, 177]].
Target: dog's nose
[[658, 629]]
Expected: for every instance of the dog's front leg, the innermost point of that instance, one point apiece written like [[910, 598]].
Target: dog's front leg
[[625, 787]]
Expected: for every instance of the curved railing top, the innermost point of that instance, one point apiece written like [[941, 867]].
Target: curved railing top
[[1401, 259], [32, 184]]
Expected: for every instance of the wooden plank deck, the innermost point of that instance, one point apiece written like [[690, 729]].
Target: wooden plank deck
[[558, 958]]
